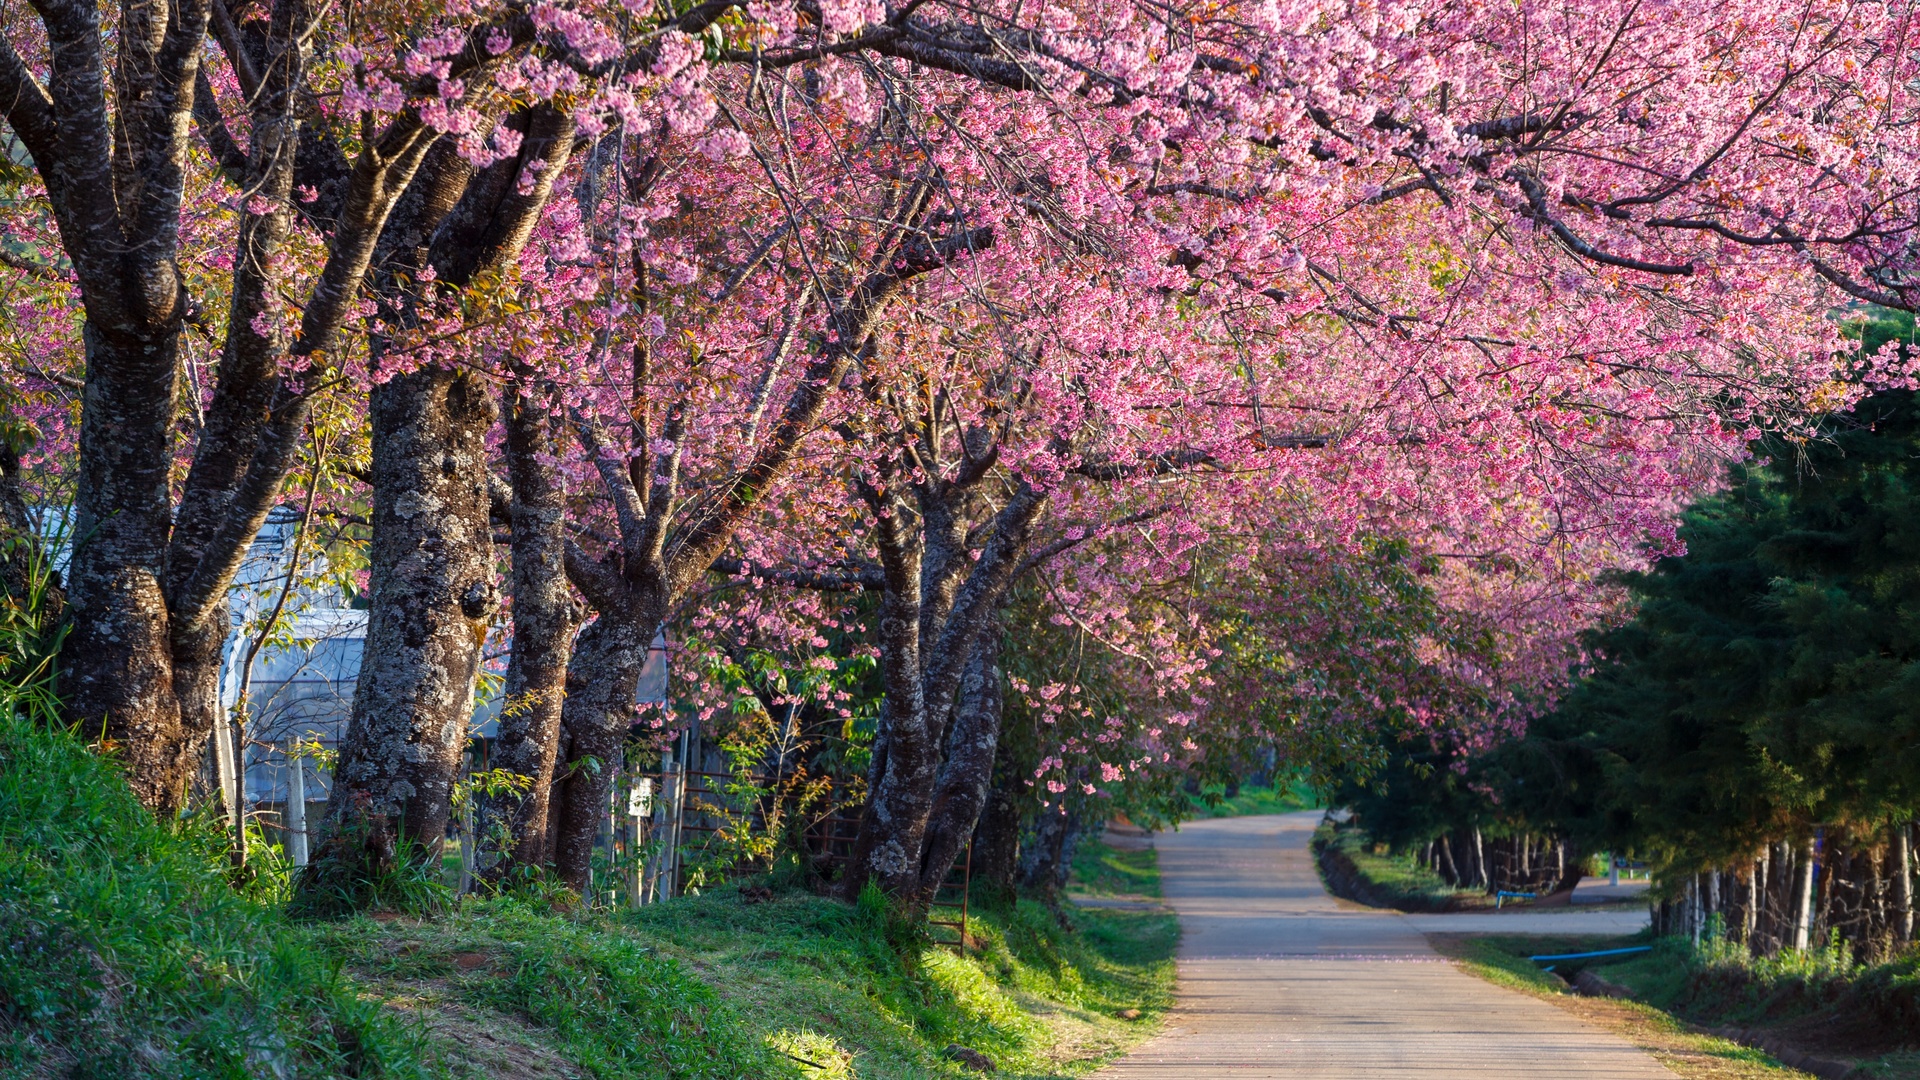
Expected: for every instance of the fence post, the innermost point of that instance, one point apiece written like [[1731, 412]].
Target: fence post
[[676, 785], [297, 811], [466, 840], [224, 764], [638, 806], [966, 891]]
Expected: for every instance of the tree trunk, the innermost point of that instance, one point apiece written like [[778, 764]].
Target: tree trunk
[[601, 682], [117, 668], [1448, 870], [433, 597], [900, 780], [1803, 895], [1902, 870], [923, 681], [1569, 862], [1713, 894], [894, 825], [1826, 873], [1878, 931], [1050, 862], [196, 656], [511, 827], [961, 790], [996, 840]]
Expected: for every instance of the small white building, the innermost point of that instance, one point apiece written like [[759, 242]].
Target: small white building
[[304, 678]]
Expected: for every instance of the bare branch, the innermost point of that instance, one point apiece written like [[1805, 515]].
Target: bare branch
[[1537, 202]]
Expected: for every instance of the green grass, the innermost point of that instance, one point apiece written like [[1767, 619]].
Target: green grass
[[799, 986], [1821, 997], [130, 955], [1099, 870], [1383, 878], [1282, 798]]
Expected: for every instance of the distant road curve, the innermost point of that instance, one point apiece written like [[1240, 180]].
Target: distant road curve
[[1277, 979]]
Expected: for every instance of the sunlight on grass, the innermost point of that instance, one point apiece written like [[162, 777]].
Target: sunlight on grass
[[801, 987], [820, 1057]]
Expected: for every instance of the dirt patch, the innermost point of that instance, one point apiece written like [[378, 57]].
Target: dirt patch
[[482, 1043], [1122, 835], [1693, 1055]]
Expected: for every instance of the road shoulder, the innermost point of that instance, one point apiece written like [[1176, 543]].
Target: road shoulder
[[1689, 1052]]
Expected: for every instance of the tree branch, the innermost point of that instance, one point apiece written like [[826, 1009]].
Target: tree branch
[[1537, 202], [692, 552], [866, 578]]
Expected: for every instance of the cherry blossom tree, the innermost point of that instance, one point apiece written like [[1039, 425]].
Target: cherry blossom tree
[[108, 111], [1495, 282]]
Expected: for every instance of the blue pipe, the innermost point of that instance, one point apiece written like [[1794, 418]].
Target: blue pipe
[[1591, 955]]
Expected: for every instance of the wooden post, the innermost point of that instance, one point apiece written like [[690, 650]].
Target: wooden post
[[638, 808], [466, 846], [223, 763], [650, 887], [676, 788], [966, 891], [1902, 859], [297, 811], [1803, 895]]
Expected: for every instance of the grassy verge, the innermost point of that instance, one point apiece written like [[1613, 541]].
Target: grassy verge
[[1103, 871], [1656, 1020], [131, 956], [798, 986], [1690, 1054], [1353, 869], [1820, 1000], [128, 955]]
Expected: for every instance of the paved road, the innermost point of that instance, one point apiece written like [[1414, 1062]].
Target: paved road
[[1278, 980], [1523, 921]]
